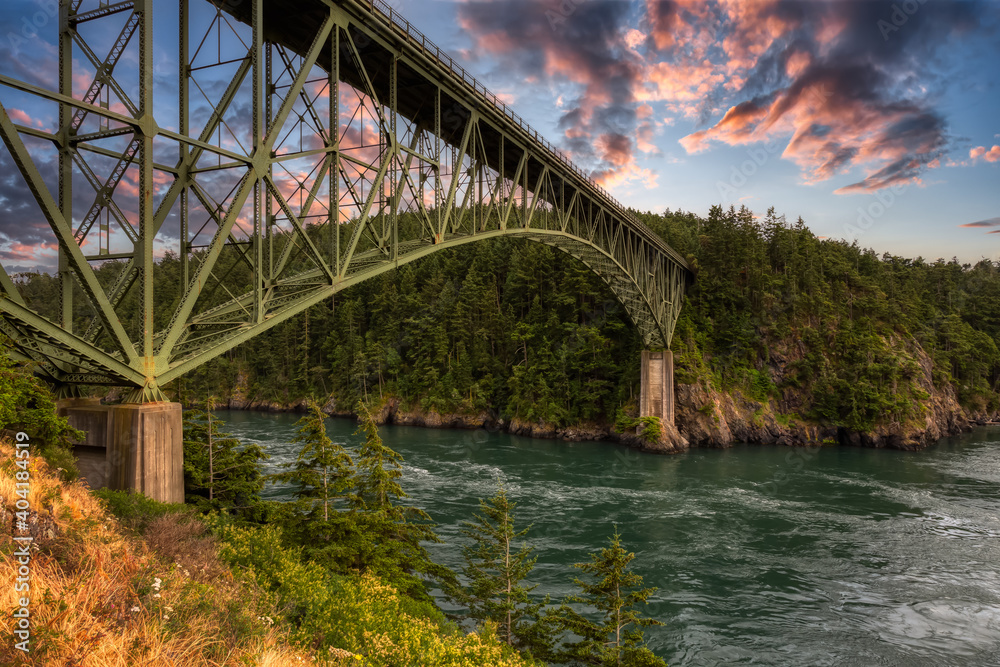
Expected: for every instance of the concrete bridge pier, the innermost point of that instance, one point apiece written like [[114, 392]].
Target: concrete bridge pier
[[656, 397], [130, 446]]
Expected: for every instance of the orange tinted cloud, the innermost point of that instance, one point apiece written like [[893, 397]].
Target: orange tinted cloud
[[991, 222], [815, 75], [817, 87], [991, 155], [19, 116]]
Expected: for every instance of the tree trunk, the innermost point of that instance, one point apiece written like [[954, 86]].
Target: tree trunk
[[211, 463], [506, 541], [618, 627]]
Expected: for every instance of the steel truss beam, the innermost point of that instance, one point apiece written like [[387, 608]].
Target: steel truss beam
[[368, 148]]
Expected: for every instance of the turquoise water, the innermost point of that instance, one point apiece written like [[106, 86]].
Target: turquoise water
[[762, 555]]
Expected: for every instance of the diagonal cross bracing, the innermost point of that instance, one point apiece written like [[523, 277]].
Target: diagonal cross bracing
[[307, 197]]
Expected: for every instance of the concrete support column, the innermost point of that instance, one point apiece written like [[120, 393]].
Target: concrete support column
[[656, 397], [137, 447], [146, 450]]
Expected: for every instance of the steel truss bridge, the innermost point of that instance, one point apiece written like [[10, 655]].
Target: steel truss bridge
[[309, 145]]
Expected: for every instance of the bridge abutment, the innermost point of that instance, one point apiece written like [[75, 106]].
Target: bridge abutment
[[656, 396], [137, 447]]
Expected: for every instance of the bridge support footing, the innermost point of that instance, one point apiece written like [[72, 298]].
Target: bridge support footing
[[137, 447], [656, 397]]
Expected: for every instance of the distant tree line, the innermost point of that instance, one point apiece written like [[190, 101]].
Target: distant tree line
[[827, 328]]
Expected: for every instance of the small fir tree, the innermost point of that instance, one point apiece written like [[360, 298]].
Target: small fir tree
[[389, 534], [616, 639], [220, 472], [323, 470], [322, 476], [496, 570]]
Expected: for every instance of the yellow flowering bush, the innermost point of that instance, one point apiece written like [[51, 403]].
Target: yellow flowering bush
[[356, 620]]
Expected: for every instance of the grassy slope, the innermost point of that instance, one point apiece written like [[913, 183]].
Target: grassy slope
[[152, 586]]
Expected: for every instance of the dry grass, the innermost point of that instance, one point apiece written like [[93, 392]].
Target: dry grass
[[100, 598], [184, 541]]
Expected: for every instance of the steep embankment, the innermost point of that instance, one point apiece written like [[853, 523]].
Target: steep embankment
[[99, 596], [710, 417], [127, 581]]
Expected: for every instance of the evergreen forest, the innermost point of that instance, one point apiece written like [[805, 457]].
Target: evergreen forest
[[515, 330]]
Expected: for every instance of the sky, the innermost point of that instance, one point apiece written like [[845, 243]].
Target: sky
[[876, 121]]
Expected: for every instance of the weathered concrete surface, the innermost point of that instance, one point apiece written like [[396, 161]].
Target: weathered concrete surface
[[136, 447], [88, 415], [656, 395], [146, 450]]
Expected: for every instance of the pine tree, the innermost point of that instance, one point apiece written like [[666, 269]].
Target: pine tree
[[322, 475], [496, 570], [220, 472], [389, 534], [616, 639], [323, 470]]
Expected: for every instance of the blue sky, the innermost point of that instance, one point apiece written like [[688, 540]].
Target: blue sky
[[939, 62], [873, 120]]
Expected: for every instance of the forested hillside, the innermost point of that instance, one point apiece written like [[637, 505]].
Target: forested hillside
[[802, 330], [821, 331]]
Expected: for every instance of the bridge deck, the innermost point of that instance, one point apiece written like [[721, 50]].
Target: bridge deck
[[293, 23]]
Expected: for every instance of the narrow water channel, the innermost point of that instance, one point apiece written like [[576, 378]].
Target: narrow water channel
[[762, 555]]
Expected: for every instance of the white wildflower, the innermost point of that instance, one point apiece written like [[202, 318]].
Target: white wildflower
[[156, 595], [135, 609]]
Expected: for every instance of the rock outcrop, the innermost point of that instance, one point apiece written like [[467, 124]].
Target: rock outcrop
[[705, 417]]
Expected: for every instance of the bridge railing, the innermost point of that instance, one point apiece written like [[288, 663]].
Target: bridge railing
[[400, 22]]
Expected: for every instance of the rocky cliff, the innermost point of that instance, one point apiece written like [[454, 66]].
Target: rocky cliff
[[705, 417]]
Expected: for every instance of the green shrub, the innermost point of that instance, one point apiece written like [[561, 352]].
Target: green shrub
[[27, 404], [134, 510], [650, 429], [359, 614]]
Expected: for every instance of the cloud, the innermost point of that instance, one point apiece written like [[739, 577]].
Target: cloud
[[989, 222], [821, 75], [991, 155], [591, 50], [818, 76]]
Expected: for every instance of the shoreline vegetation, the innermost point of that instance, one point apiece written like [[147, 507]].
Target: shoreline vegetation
[[339, 576], [783, 338]]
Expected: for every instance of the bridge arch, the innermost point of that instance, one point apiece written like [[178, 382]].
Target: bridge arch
[[444, 163]]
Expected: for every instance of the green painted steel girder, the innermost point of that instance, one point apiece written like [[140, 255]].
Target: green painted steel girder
[[308, 203]]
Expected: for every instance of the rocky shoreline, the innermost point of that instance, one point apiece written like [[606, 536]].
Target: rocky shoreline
[[705, 418]]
